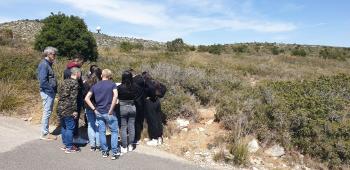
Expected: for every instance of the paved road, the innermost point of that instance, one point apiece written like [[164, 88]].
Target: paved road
[[21, 149]]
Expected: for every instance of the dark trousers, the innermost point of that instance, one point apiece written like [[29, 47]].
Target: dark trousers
[[140, 117], [154, 118], [67, 128]]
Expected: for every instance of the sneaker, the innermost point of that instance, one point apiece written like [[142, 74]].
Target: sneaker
[[104, 154], [160, 141], [63, 148], [98, 148], [137, 143], [115, 156], [130, 148], [74, 149], [92, 148], [153, 142], [48, 137], [123, 150]]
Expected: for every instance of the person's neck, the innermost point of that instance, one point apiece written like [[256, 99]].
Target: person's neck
[[48, 59], [104, 78], [73, 77]]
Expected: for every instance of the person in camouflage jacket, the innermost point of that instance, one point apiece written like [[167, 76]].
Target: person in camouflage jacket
[[67, 109]]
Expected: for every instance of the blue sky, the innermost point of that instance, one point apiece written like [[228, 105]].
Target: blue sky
[[319, 22]]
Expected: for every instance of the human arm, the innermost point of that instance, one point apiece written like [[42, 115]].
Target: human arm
[[89, 103], [43, 77], [114, 101]]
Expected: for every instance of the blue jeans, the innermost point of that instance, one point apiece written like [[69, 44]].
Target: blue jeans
[[111, 120], [94, 139], [127, 115], [67, 128], [48, 100]]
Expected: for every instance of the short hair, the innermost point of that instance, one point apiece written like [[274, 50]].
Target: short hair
[[75, 70], [49, 50], [78, 57], [107, 73]]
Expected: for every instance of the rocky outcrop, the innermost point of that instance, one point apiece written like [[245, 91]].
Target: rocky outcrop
[[27, 29]]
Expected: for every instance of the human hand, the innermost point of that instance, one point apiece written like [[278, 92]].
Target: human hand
[[97, 112], [75, 115]]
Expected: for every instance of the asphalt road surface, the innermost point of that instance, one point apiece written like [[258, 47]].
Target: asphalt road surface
[[20, 148]]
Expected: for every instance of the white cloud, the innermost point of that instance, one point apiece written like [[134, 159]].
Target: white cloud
[[168, 25], [5, 19]]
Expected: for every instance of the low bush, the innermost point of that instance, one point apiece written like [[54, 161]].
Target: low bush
[[298, 51], [312, 115]]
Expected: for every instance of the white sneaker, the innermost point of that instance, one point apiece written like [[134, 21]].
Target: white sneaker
[[123, 150], [160, 141], [130, 148], [153, 142]]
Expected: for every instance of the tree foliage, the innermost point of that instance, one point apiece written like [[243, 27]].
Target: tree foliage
[[69, 34]]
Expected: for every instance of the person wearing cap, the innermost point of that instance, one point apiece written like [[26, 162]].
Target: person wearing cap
[[78, 62], [67, 110]]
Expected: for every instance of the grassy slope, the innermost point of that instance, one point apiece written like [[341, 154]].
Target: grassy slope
[[237, 84]]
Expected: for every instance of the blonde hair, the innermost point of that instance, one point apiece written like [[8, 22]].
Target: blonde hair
[[107, 73]]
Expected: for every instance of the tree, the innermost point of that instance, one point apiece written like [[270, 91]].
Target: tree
[[176, 45], [69, 34]]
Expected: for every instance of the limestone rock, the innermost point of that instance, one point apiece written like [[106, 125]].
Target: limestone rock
[[182, 123], [275, 151], [253, 146]]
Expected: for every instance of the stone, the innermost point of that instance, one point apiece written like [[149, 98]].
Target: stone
[[182, 123], [253, 146], [275, 151], [209, 122], [201, 129]]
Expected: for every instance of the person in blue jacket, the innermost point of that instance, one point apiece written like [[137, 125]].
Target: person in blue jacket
[[48, 89]]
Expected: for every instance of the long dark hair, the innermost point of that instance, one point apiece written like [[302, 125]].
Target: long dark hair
[[94, 77], [127, 79]]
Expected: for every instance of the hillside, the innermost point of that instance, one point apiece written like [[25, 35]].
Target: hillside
[[291, 95], [27, 29]]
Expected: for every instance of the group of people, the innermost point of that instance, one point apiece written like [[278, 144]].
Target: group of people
[[122, 107]]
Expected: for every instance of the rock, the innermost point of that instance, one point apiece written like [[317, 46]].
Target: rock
[[201, 129], [182, 123], [209, 122], [253, 146], [185, 129], [275, 151]]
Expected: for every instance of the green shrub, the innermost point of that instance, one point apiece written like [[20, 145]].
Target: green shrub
[[239, 150], [69, 34], [176, 45], [312, 115], [216, 49], [298, 51], [202, 48], [275, 50], [126, 47], [334, 53], [9, 96], [6, 36], [240, 48]]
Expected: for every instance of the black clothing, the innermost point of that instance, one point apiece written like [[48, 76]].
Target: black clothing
[[128, 93], [154, 119], [139, 103]]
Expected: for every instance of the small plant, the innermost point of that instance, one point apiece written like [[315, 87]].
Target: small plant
[[240, 153]]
